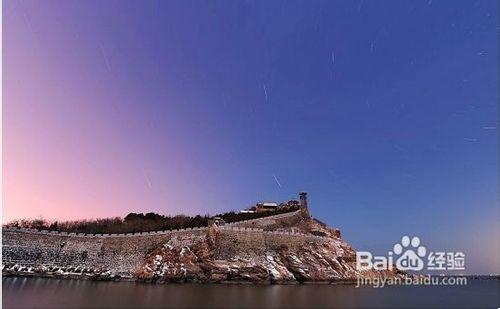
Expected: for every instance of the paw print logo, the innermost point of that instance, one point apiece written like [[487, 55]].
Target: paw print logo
[[411, 254]]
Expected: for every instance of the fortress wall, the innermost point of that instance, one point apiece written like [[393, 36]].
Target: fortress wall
[[138, 234], [271, 222], [293, 241], [31, 248], [248, 242], [123, 253], [252, 223], [239, 242]]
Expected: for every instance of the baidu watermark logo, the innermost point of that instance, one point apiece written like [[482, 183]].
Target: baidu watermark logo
[[409, 254]]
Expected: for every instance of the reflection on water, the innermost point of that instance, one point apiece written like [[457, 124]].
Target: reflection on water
[[39, 292]]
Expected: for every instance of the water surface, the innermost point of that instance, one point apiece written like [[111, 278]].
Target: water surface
[[51, 293]]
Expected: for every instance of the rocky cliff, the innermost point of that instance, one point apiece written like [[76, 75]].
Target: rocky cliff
[[225, 257], [287, 248]]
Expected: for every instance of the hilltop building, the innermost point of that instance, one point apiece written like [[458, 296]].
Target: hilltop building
[[272, 206], [266, 206]]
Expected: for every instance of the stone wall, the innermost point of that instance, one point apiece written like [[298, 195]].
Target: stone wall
[[249, 242], [119, 253], [272, 222], [123, 253]]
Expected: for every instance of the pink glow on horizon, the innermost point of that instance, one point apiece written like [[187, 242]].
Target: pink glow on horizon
[[67, 155]]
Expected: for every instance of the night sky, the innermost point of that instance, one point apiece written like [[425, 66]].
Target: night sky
[[385, 112]]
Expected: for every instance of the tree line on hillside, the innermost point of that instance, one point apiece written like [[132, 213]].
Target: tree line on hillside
[[138, 222]]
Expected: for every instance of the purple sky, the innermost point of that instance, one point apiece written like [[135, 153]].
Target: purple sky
[[384, 111]]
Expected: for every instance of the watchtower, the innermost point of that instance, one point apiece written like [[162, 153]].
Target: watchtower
[[303, 201]]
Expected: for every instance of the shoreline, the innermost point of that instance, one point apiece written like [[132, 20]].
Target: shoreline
[[96, 278], [7, 274]]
